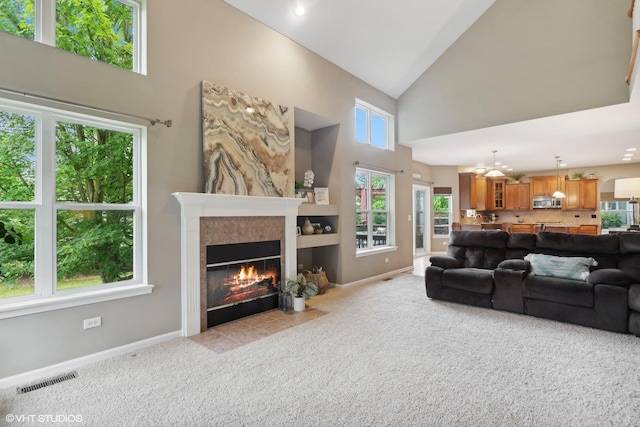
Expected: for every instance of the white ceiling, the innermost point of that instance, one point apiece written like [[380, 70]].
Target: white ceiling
[[364, 38]]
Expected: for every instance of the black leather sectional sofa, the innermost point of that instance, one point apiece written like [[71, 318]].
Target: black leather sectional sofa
[[586, 280]]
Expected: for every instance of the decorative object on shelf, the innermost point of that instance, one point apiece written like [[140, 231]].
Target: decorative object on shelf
[[493, 172], [318, 231], [316, 226], [516, 177], [307, 228], [318, 276], [629, 187], [308, 178], [328, 228], [322, 195], [298, 231], [577, 175], [558, 194], [300, 289], [306, 194]]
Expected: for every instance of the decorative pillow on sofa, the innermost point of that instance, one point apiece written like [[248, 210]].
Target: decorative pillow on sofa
[[576, 268]]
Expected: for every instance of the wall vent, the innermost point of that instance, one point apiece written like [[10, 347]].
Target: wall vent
[[48, 382]]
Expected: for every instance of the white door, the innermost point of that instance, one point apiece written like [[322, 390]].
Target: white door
[[421, 220]]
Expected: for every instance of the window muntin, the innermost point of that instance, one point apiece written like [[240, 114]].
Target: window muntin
[[112, 33], [441, 214], [373, 126], [95, 237], [373, 200]]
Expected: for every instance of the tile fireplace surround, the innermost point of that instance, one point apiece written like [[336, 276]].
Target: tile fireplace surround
[[213, 213]]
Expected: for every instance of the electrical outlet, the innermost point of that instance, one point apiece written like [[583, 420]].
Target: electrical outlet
[[386, 260], [94, 322]]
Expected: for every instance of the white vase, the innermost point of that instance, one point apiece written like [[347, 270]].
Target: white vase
[[298, 304]]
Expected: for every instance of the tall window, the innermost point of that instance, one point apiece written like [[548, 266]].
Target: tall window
[[615, 214], [441, 212], [109, 31], [374, 201], [374, 126], [70, 203]]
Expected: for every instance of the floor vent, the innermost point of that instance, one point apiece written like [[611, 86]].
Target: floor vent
[[45, 383]]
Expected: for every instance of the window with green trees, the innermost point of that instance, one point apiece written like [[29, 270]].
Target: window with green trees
[[441, 214], [70, 201], [108, 31], [373, 209]]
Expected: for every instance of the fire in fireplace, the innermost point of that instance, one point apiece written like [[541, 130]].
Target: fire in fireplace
[[242, 279]]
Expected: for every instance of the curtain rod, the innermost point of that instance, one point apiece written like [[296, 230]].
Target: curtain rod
[[167, 123], [382, 168]]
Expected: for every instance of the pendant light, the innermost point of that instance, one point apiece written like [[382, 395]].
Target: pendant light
[[558, 194], [494, 173]]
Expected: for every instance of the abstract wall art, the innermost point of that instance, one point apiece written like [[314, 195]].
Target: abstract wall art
[[247, 144]]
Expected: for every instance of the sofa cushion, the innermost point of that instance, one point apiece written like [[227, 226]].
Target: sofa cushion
[[515, 264], [564, 291], [604, 248], [609, 276], [634, 298], [445, 261], [576, 268], [475, 280]]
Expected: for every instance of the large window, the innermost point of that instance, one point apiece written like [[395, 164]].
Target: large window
[[110, 31], [71, 204], [615, 214], [374, 126], [374, 204], [441, 214]]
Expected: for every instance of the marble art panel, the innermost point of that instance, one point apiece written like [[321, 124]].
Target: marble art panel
[[247, 144]]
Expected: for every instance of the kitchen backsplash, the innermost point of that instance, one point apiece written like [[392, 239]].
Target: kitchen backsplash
[[536, 216]]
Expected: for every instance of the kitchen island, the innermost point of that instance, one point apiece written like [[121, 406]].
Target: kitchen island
[[510, 227]]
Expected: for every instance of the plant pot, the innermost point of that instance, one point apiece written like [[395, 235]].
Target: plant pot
[[298, 303]]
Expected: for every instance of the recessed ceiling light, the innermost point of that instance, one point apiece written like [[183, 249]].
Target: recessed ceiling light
[[629, 155], [626, 159], [631, 149], [299, 10]]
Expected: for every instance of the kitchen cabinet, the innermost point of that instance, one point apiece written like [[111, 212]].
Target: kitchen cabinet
[[467, 188], [517, 197], [523, 228], [581, 194], [545, 185], [496, 194], [490, 194]]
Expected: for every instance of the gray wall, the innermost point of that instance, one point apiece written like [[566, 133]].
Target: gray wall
[[205, 40], [522, 60]]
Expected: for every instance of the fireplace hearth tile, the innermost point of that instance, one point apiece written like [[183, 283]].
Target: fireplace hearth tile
[[231, 335]]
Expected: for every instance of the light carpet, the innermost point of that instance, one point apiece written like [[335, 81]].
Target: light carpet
[[384, 355]]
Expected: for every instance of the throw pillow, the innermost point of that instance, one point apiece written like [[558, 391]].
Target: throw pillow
[[576, 268]]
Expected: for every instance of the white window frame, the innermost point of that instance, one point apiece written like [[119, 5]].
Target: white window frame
[[45, 28], [45, 207], [371, 249], [450, 217], [389, 124]]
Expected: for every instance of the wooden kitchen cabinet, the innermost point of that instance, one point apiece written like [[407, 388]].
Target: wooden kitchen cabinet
[[545, 185], [582, 194], [467, 184], [517, 197], [496, 194], [481, 193]]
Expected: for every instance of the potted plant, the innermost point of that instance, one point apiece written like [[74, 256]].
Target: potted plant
[[300, 289], [516, 177]]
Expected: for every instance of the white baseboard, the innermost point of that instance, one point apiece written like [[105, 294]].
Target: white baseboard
[[376, 278], [59, 368]]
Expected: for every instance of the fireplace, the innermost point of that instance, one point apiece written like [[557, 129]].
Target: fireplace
[[219, 219], [242, 279]]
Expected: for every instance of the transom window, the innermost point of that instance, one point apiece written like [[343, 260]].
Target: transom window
[[71, 203], [374, 126], [109, 31], [374, 202]]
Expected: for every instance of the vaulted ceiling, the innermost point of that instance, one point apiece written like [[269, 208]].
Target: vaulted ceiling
[[407, 48]]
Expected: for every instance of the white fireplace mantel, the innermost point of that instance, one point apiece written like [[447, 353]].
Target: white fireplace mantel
[[194, 206]]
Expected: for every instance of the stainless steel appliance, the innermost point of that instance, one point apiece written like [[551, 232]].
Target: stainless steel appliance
[[546, 202]]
